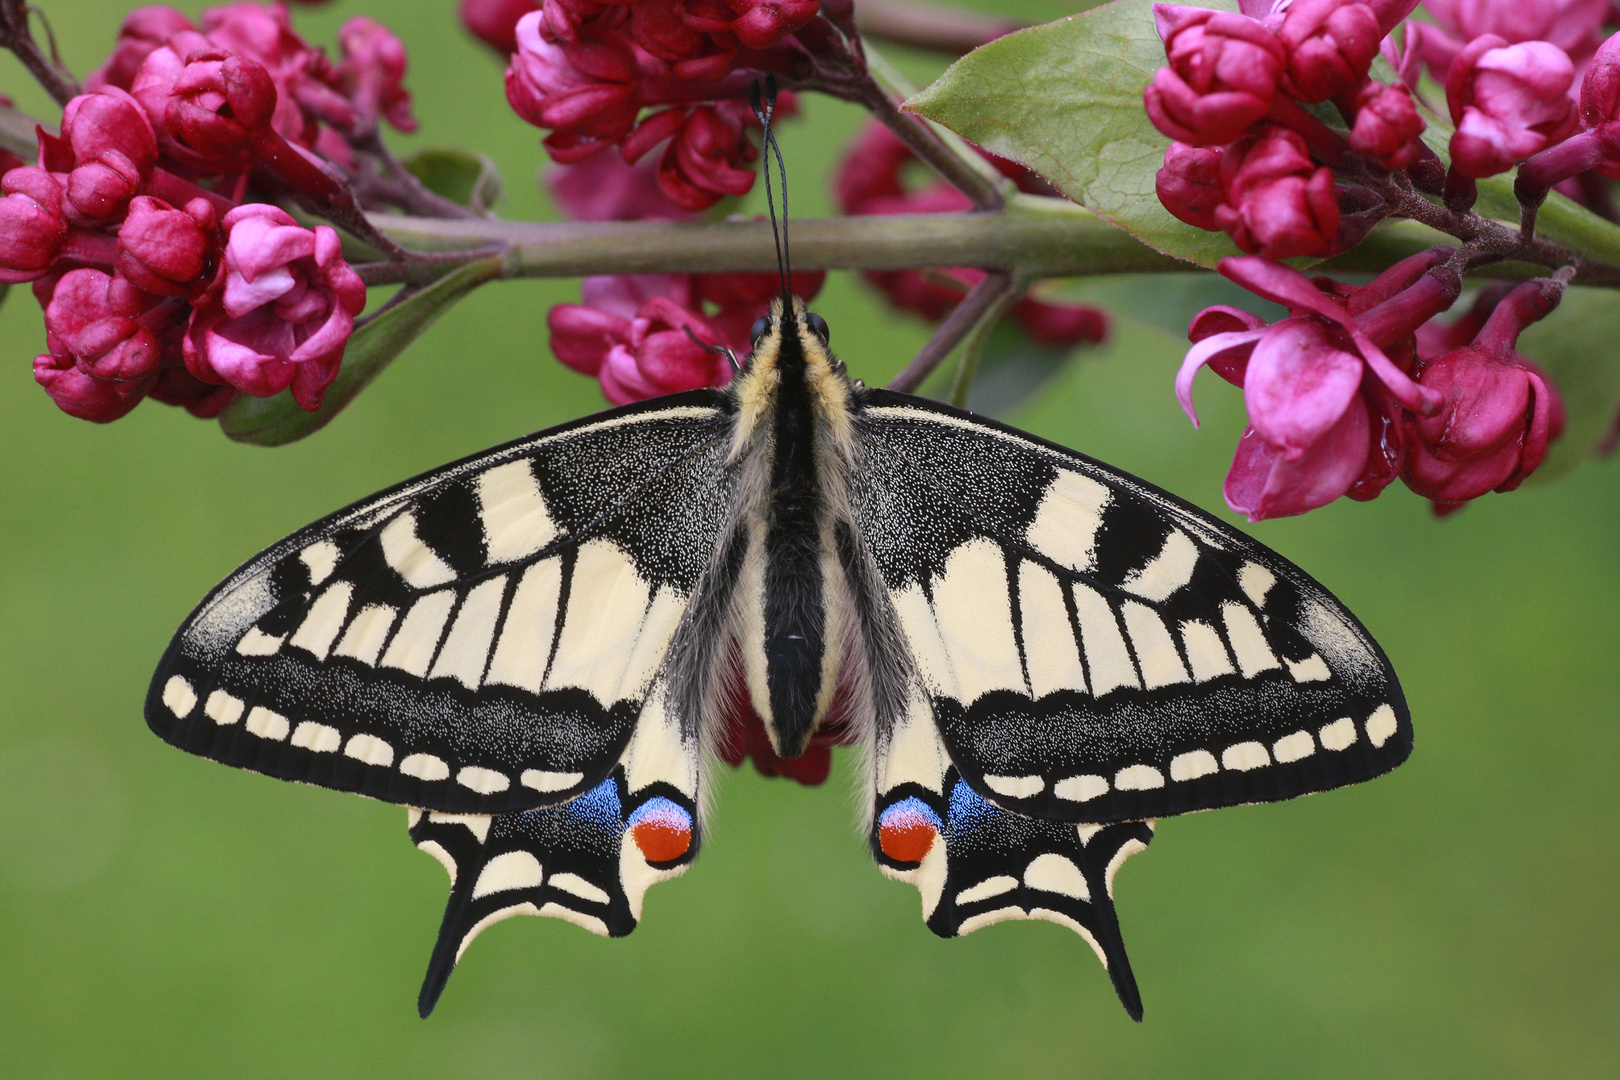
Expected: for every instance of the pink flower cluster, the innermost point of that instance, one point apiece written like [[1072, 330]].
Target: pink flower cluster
[[590, 72], [871, 180], [1357, 386], [1247, 157], [648, 334], [156, 275]]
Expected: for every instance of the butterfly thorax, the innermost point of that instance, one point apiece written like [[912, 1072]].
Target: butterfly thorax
[[792, 451]]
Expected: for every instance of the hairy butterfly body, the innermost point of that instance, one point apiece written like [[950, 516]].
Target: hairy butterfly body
[[537, 650]]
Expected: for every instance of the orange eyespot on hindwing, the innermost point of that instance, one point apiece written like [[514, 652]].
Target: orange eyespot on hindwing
[[661, 829], [906, 830]]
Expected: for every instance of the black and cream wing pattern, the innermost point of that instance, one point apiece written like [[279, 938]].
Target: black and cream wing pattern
[[1088, 653], [486, 638], [540, 649], [1091, 648]]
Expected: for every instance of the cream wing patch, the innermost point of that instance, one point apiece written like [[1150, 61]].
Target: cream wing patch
[[972, 605], [1068, 520], [1050, 650], [516, 521], [599, 631]]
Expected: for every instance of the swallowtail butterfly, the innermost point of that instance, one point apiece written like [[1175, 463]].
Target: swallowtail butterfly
[[535, 650]]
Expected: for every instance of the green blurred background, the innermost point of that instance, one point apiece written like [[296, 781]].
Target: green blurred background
[[163, 916]]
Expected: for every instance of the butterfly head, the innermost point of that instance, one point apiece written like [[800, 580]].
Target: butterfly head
[[791, 343], [791, 367]]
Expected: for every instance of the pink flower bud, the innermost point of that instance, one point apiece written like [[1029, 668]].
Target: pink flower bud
[[668, 33], [494, 22], [373, 72], [581, 337], [98, 192], [1061, 326], [144, 30], [1222, 75], [112, 149], [758, 24], [285, 312], [706, 157], [263, 32], [91, 321], [167, 251], [109, 121], [80, 395], [1189, 184], [218, 103], [658, 353], [1387, 126], [1279, 203], [1492, 431], [1508, 102], [1330, 45], [586, 92], [1600, 88], [32, 227]]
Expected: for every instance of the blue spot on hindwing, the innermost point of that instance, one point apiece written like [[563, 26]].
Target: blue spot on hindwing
[[909, 810], [968, 810], [599, 806], [660, 809]]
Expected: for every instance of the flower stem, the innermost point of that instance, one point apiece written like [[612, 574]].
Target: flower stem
[[851, 77], [1037, 237], [16, 36], [968, 314]]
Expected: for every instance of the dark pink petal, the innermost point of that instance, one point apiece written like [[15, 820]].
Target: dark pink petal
[[1264, 484], [1229, 348], [1298, 385], [581, 336]]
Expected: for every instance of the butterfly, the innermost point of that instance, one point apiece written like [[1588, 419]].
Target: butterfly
[[541, 650], [537, 650]]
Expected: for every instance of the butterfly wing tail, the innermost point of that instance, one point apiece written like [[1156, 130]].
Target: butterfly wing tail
[[976, 864], [589, 860]]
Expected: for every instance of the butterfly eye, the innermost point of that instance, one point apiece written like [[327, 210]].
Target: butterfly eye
[[757, 331], [818, 326]]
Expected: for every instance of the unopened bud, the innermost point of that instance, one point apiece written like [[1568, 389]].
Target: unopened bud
[[219, 101]]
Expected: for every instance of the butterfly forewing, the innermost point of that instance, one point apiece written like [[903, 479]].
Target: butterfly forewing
[[478, 640], [1095, 650]]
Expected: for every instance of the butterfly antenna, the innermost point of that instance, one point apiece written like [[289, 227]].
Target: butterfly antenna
[[765, 111], [706, 347]]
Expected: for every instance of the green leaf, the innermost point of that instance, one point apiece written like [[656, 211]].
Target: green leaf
[[275, 421], [1576, 345], [1065, 99], [462, 176]]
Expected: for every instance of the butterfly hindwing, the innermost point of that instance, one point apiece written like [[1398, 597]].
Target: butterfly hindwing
[[1095, 650], [976, 864], [589, 860], [478, 640]]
